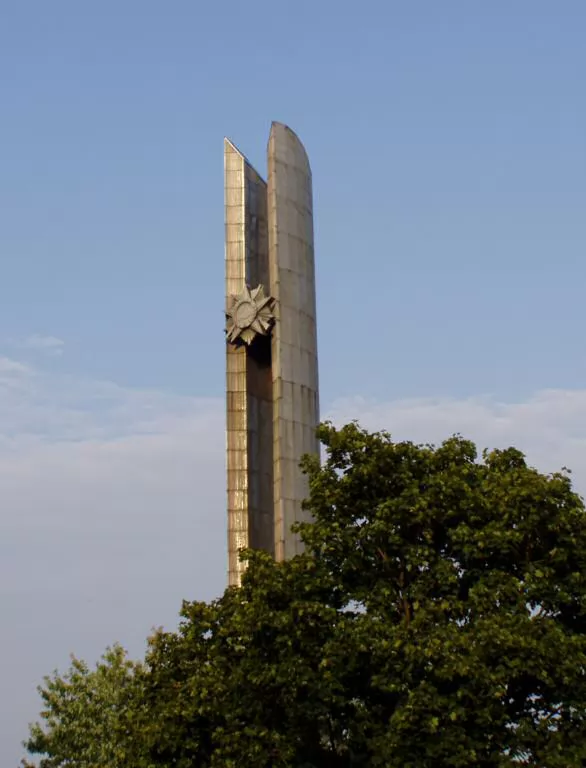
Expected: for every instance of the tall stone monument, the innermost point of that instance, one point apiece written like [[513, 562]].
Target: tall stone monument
[[271, 346]]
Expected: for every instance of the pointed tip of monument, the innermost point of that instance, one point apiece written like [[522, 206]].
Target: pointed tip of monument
[[230, 149], [229, 146]]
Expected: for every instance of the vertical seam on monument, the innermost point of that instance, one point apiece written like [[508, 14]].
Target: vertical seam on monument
[[244, 511]]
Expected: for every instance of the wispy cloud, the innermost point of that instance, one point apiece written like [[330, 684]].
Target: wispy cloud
[[9, 367], [49, 344]]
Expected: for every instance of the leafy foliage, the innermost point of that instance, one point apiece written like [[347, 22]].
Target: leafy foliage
[[90, 715], [438, 618]]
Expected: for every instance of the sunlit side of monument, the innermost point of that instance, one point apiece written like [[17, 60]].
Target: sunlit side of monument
[[271, 346]]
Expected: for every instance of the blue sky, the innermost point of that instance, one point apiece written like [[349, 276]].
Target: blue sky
[[448, 146]]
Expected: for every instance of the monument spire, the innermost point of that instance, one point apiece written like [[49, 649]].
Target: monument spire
[[272, 402]]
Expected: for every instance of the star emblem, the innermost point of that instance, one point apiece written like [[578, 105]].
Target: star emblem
[[249, 314]]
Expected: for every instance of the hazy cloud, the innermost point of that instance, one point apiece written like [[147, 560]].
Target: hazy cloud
[[111, 512], [112, 505], [11, 368], [50, 345], [549, 426]]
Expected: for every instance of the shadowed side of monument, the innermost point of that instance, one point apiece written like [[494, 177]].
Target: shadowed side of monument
[[272, 403], [249, 399]]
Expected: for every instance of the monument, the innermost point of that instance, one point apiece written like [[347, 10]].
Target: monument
[[272, 400]]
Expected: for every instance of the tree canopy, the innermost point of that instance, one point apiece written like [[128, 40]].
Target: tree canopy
[[437, 618], [90, 715]]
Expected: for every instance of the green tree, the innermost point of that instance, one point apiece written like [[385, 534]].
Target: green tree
[[437, 618], [91, 716]]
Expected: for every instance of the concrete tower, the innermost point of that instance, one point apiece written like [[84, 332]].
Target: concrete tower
[[271, 346]]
